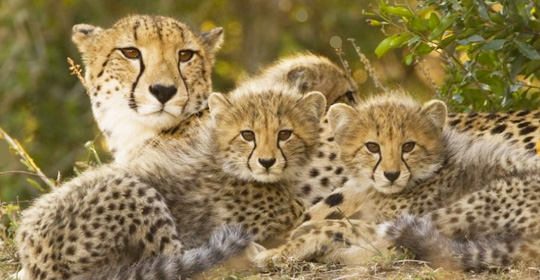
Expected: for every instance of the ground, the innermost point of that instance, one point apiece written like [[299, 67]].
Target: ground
[[383, 268]]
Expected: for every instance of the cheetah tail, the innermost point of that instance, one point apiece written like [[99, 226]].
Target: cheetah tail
[[225, 242], [429, 244]]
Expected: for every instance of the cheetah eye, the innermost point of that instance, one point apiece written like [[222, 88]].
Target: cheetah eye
[[185, 55], [373, 147], [408, 147], [350, 96], [131, 53], [284, 135], [248, 135]]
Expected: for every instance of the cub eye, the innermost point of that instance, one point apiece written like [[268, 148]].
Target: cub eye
[[408, 147], [248, 135], [373, 147], [350, 96], [131, 53], [284, 135], [185, 55]]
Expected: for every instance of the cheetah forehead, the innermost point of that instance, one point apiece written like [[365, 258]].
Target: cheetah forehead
[[143, 29]]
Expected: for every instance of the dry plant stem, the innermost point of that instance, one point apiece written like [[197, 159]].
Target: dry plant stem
[[345, 65], [76, 71], [26, 159], [367, 65]]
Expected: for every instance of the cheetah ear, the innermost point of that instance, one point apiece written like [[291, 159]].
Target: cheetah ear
[[315, 102], [213, 39], [301, 78], [341, 117], [83, 34], [218, 104], [436, 110]]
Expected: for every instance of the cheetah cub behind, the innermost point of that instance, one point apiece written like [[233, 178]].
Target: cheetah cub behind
[[460, 202]]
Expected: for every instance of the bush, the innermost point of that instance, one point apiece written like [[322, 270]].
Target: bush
[[489, 48]]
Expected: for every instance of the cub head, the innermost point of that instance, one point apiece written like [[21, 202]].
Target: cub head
[[391, 140], [147, 72], [308, 72], [266, 133]]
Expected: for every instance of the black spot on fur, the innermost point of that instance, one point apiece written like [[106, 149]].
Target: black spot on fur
[[498, 129], [334, 199]]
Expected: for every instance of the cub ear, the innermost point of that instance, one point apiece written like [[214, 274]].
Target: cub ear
[[213, 39], [341, 117], [315, 102], [218, 104], [301, 78], [436, 110], [82, 35]]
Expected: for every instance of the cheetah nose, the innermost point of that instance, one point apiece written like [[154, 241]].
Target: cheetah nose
[[163, 93], [392, 176], [267, 163]]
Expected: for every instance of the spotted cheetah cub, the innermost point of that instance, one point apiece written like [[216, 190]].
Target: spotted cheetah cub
[[460, 202], [145, 75], [153, 218]]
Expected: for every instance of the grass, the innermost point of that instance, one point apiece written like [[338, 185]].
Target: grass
[[377, 269]]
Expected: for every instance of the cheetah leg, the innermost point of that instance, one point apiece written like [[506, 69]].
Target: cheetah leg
[[343, 202], [327, 241]]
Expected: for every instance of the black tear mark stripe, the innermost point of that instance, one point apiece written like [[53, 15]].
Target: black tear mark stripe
[[406, 165], [251, 154], [105, 63], [185, 86], [132, 104], [376, 165], [282, 153]]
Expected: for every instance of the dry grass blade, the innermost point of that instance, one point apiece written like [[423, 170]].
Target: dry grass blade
[[76, 71], [26, 159], [367, 65]]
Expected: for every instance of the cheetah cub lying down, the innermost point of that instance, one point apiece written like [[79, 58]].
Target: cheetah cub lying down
[[153, 218], [457, 201]]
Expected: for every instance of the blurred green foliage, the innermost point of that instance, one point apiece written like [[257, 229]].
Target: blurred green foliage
[[47, 110], [490, 48]]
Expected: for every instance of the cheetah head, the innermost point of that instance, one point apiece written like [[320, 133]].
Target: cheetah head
[[308, 72], [391, 140], [146, 72], [266, 133]]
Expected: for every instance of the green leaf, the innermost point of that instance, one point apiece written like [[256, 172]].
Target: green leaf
[[35, 185], [433, 21], [423, 49], [472, 39], [527, 50], [445, 23], [391, 43], [419, 24], [399, 11], [409, 59], [494, 45]]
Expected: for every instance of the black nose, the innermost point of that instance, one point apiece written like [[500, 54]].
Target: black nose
[[163, 93], [267, 163], [392, 176]]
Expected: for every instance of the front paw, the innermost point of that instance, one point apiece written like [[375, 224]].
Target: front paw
[[270, 259]]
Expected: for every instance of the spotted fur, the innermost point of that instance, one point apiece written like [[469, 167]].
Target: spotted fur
[[141, 217], [482, 191]]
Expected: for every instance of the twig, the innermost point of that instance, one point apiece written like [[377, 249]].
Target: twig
[[76, 71], [26, 159], [367, 65]]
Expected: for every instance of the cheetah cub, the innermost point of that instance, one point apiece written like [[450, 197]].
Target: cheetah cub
[[145, 75], [460, 202], [166, 214]]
